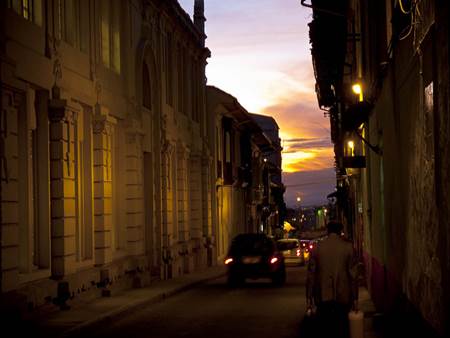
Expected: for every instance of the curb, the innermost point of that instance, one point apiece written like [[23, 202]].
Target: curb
[[129, 308]]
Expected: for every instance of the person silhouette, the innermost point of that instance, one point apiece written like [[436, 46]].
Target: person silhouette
[[331, 283]]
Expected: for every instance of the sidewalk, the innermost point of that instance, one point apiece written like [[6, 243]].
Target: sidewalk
[[85, 316], [366, 305]]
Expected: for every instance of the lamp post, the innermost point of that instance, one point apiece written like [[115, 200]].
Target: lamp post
[[299, 199]]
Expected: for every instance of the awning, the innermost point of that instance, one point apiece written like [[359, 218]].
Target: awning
[[328, 36]]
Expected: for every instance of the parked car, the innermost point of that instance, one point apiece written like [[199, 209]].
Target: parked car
[[291, 250], [254, 256]]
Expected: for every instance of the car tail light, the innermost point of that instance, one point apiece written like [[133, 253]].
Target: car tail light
[[273, 260], [298, 252], [228, 261]]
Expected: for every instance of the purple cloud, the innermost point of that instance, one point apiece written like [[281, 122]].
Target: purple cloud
[[298, 144], [312, 186]]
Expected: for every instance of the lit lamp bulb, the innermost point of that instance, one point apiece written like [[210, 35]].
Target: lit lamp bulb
[[351, 146], [298, 199], [357, 89]]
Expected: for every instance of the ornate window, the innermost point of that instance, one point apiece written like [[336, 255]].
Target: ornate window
[[30, 10], [146, 88], [180, 92], [110, 34], [33, 188], [76, 23], [169, 70], [121, 143], [84, 183]]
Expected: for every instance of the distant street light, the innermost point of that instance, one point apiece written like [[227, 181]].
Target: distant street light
[[298, 199]]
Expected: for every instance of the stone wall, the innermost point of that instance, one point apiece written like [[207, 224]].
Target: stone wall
[[102, 231], [406, 186]]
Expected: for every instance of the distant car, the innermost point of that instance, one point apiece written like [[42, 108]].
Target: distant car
[[291, 250], [254, 256], [307, 246]]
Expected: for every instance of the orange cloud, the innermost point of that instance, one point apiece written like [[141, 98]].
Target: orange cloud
[[260, 53], [304, 132], [308, 160]]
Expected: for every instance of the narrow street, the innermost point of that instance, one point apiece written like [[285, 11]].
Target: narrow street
[[256, 309], [140, 140]]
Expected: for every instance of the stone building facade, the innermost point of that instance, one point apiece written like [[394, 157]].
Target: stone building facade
[[275, 200], [242, 180], [105, 164]]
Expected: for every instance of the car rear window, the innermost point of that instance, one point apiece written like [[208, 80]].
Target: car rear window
[[251, 245], [287, 245]]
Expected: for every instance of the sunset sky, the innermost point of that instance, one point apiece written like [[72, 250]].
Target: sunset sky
[[260, 54]]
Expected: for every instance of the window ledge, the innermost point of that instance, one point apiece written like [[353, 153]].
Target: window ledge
[[35, 275]]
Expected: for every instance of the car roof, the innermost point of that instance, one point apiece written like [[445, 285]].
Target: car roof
[[288, 240]]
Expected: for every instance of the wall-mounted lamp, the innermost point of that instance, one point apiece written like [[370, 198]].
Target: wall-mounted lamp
[[351, 147], [357, 89], [350, 159]]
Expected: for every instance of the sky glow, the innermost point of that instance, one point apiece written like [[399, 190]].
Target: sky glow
[[260, 54]]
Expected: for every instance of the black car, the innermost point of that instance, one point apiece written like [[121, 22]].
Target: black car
[[254, 256]]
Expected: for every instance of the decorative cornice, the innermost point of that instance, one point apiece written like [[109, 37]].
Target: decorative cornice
[[167, 148], [59, 110], [103, 122], [99, 126]]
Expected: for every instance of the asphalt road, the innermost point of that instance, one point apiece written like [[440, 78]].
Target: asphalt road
[[214, 310]]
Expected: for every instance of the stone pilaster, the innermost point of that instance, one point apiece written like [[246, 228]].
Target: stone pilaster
[[166, 208], [63, 161], [9, 190], [206, 206], [103, 127], [182, 194], [195, 188], [134, 186], [195, 204], [183, 203], [167, 187]]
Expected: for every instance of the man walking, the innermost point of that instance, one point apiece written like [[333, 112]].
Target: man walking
[[331, 282]]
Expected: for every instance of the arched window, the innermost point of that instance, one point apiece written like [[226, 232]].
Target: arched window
[[146, 89]]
